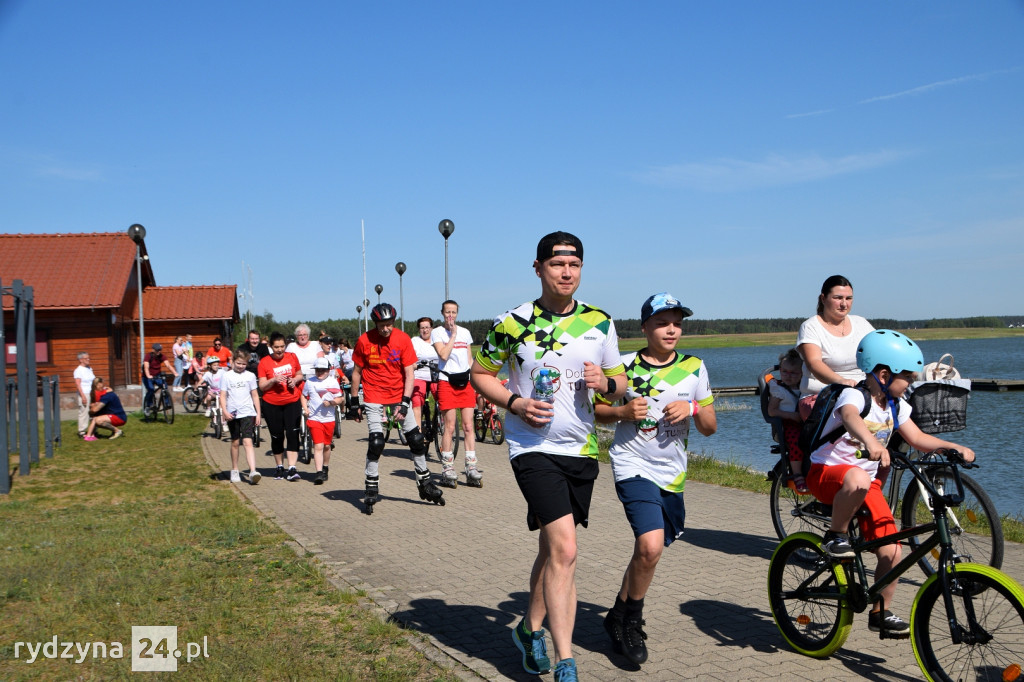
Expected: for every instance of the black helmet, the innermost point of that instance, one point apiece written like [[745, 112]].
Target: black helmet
[[383, 312]]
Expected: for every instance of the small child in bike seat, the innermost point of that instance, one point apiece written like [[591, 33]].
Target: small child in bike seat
[[783, 403], [838, 477], [212, 378]]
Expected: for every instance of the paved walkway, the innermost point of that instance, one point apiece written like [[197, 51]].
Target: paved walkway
[[459, 573]]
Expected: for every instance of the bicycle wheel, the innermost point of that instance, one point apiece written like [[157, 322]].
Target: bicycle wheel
[[338, 416], [792, 513], [256, 436], [497, 430], [191, 400], [401, 435], [974, 526], [387, 424], [218, 425], [993, 646], [480, 428], [167, 406], [806, 592]]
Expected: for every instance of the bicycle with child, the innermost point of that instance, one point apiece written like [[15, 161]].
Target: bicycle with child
[[938, 406], [488, 419], [967, 619]]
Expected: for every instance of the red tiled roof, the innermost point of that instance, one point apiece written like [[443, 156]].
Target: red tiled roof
[[217, 302], [90, 270]]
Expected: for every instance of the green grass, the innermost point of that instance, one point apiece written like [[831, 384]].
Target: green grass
[[788, 338], [111, 534]]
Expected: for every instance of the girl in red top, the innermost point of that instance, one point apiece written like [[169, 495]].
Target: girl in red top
[[280, 380]]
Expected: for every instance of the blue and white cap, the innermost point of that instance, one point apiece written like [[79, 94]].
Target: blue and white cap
[[663, 301]]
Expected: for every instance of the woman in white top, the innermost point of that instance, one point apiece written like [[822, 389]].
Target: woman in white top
[[828, 341], [424, 352]]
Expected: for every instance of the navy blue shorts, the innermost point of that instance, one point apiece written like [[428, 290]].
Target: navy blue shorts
[[648, 508], [555, 486]]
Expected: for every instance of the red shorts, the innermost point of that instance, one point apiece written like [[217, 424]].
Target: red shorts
[[449, 398], [116, 421], [825, 481], [419, 391], [322, 433]]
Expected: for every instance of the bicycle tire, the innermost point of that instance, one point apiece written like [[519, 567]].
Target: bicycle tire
[[998, 606], [793, 513], [977, 533], [387, 424], [480, 429], [814, 626], [401, 436], [218, 426], [168, 407], [190, 400], [338, 416], [256, 438], [497, 430]]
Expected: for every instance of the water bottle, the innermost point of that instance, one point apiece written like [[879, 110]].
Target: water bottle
[[544, 386]]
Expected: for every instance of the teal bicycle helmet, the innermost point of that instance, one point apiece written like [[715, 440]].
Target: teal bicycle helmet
[[889, 348]]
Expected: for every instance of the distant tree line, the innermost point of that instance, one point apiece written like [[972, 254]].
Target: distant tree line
[[351, 328]]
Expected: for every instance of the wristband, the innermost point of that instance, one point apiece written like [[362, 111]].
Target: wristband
[[354, 403], [406, 400], [514, 397], [695, 406], [611, 387]]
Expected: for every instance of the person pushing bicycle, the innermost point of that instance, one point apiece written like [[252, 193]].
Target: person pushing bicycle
[[839, 477]]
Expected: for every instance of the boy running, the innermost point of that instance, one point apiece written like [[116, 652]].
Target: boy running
[[666, 391]]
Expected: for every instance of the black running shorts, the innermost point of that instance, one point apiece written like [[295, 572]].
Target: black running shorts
[[554, 486]]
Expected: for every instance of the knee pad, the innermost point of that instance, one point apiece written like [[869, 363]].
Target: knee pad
[[417, 445], [376, 447]]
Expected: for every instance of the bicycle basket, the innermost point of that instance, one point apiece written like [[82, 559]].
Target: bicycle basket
[[940, 406]]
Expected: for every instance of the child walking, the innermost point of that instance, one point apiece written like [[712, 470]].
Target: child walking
[[240, 405]]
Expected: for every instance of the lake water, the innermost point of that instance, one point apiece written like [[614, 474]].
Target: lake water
[[994, 420]]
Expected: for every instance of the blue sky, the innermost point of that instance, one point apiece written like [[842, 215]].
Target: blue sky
[[735, 154]]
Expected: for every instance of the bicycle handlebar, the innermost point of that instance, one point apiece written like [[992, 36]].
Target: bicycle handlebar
[[941, 458]]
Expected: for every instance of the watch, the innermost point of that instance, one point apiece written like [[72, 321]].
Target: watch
[[611, 387]]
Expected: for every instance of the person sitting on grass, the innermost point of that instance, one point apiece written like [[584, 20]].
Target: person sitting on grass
[[107, 410], [841, 478], [784, 404]]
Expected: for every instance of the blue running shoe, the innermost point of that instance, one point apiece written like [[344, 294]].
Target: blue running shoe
[[565, 671], [535, 651]]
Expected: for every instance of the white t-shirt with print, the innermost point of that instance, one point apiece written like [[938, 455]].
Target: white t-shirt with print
[[316, 391], [459, 360], [424, 351], [213, 380], [878, 420], [237, 388]]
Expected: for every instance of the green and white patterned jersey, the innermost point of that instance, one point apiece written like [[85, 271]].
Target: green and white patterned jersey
[[653, 448], [529, 338]]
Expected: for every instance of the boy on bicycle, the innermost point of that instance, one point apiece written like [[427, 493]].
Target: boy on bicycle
[[840, 478], [212, 378]]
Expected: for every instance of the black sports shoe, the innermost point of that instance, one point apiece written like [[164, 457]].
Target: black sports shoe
[[837, 546], [888, 623], [627, 636], [319, 478], [325, 473], [293, 475], [279, 474]]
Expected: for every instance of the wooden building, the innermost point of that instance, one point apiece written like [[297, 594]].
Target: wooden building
[[85, 296]]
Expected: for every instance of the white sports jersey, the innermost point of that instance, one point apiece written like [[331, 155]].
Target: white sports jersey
[[316, 391], [653, 448], [238, 388], [529, 338]]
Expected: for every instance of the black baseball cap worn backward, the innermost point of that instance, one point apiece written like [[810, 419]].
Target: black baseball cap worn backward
[[548, 245]]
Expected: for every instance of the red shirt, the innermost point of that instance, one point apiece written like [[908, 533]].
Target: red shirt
[[288, 366], [224, 355], [382, 363]]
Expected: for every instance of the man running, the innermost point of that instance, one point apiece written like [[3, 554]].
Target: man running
[[552, 443]]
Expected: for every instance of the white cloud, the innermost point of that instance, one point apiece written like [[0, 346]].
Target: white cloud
[[921, 89], [729, 175], [69, 173]]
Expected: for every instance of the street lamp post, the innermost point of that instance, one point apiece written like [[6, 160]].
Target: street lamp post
[[359, 318], [378, 288], [446, 228], [137, 233], [366, 312], [400, 269]]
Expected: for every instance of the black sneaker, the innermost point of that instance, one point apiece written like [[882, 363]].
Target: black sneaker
[[627, 636], [279, 474], [325, 473], [888, 623], [319, 478], [837, 546], [293, 475]]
